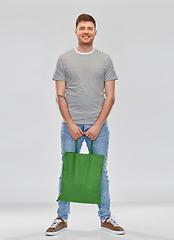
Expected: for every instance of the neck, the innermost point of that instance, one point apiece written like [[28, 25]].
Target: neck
[[84, 48]]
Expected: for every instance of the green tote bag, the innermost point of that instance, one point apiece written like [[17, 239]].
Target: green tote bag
[[81, 177]]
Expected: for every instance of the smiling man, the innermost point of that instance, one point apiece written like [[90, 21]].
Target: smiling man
[[85, 33], [85, 92]]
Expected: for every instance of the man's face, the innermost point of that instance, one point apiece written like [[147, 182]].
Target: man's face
[[85, 32]]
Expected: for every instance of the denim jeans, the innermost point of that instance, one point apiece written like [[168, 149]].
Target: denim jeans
[[100, 146]]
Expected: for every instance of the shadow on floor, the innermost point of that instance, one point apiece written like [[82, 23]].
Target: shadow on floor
[[87, 235]]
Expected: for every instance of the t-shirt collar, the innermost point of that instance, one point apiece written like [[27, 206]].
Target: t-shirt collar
[[84, 53]]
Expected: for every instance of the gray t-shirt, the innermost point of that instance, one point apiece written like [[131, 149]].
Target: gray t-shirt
[[85, 76]]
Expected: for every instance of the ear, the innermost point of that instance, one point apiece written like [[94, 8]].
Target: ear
[[75, 32], [95, 32]]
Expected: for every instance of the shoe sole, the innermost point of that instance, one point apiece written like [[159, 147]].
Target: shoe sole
[[55, 233], [112, 231]]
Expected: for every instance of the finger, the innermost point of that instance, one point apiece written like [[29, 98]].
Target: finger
[[91, 135], [87, 133], [81, 131], [80, 134], [77, 132], [74, 137], [94, 137]]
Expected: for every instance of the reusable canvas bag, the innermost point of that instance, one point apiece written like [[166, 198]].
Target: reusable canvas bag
[[81, 177]]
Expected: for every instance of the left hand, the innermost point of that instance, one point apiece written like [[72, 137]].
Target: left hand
[[93, 132]]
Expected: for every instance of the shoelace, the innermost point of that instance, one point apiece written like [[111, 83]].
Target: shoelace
[[55, 223], [112, 221]]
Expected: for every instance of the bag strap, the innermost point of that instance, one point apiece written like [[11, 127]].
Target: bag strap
[[90, 151]]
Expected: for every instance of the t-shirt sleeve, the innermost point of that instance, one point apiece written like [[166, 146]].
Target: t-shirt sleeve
[[59, 73], [110, 73]]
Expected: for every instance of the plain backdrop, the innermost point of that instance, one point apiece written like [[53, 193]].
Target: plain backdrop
[[139, 37]]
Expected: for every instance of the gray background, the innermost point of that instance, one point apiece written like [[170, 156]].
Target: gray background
[[139, 36]]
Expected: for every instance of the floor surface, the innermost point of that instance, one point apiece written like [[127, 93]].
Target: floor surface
[[141, 220]]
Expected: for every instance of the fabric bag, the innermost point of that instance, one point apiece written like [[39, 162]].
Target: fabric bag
[[81, 177]]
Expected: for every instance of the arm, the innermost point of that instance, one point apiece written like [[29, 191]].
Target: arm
[[94, 131], [73, 129]]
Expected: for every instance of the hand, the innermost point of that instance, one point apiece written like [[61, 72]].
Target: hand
[[74, 131], [93, 132]]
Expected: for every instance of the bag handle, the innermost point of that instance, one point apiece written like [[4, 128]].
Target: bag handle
[[90, 151]]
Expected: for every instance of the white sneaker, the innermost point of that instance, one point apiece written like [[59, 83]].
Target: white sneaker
[[57, 226], [112, 226]]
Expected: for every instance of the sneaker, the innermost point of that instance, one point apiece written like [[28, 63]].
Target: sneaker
[[57, 226], [112, 226]]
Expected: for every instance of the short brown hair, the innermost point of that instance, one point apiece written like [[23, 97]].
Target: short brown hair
[[85, 17]]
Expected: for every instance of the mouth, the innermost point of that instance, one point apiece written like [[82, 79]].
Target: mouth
[[85, 37]]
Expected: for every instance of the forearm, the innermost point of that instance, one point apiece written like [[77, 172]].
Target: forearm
[[73, 129], [61, 101], [94, 131], [107, 106]]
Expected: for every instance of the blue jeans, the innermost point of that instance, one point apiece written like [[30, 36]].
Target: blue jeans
[[100, 146]]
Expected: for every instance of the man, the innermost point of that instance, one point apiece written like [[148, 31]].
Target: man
[[85, 89]]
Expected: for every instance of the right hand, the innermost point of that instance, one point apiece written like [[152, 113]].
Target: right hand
[[74, 131]]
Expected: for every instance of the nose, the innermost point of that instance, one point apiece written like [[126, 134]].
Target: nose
[[86, 31]]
